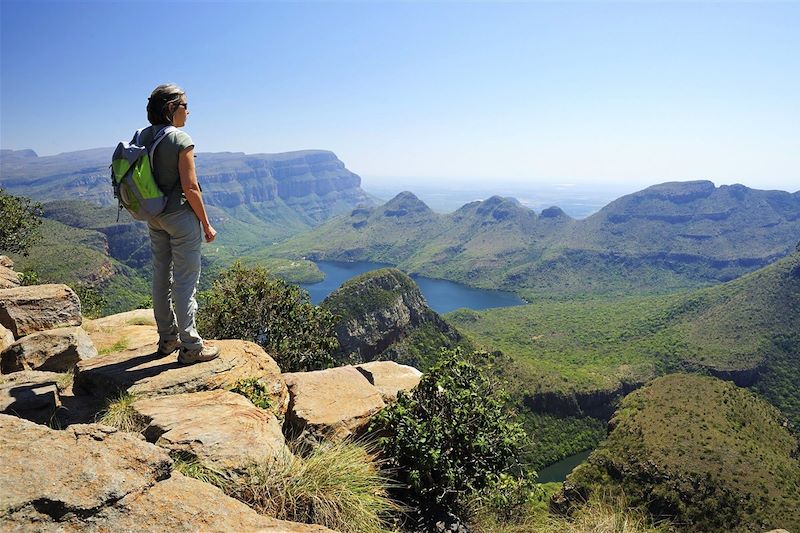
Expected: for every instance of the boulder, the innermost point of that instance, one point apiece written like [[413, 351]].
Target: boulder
[[141, 371], [26, 310], [54, 350], [91, 478], [331, 404], [8, 278], [221, 428], [9, 263], [6, 338], [74, 472], [31, 395], [390, 377], [181, 505]]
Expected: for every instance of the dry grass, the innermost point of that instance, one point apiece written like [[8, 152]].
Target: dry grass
[[611, 515], [336, 485], [119, 413]]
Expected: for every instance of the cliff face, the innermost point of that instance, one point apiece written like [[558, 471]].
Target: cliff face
[[315, 183], [380, 312]]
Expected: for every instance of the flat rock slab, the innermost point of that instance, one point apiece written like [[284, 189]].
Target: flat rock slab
[[26, 310], [75, 471], [331, 404], [221, 428], [182, 505], [54, 350], [133, 330], [8, 278], [390, 377], [143, 372], [31, 395]]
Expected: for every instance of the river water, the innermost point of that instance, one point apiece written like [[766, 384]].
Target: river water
[[442, 296]]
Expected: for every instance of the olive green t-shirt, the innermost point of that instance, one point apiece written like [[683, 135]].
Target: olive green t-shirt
[[165, 163]]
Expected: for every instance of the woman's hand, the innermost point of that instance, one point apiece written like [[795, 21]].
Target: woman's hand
[[210, 232]]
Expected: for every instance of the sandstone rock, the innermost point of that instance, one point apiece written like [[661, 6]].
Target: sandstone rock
[[332, 404], [182, 504], [6, 338], [76, 471], [54, 350], [9, 263], [221, 428], [31, 395], [93, 478], [142, 372], [8, 278], [124, 331], [390, 377], [25, 310]]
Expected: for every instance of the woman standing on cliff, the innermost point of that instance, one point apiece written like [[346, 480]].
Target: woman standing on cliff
[[177, 233]]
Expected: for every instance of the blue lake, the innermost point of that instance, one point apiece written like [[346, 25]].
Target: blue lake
[[442, 296]]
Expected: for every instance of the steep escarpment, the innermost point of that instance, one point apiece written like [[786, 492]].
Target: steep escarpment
[[313, 184], [383, 316], [699, 451]]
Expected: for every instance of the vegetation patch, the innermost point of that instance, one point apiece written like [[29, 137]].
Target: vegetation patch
[[452, 436], [251, 304], [190, 466], [119, 413], [254, 390], [118, 346], [698, 451], [337, 485]]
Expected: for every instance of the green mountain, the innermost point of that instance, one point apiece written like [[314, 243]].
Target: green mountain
[[667, 237], [577, 356], [702, 452], [383, 316]]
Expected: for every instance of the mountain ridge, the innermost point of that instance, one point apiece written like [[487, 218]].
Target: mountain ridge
[[676, 235]]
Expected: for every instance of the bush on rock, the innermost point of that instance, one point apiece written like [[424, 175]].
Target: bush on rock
[[453, 435], [251, 304]]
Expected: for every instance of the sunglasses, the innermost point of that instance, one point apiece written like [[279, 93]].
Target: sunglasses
[[185, 106]]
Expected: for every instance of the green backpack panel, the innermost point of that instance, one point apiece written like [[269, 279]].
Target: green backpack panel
[[133, 177]]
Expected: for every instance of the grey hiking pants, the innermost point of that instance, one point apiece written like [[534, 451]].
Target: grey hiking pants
[[175, 239]]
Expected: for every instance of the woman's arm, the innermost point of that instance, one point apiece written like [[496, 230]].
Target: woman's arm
[[191, 189]]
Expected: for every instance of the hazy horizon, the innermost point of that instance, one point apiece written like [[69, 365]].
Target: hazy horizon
[[627, 94]]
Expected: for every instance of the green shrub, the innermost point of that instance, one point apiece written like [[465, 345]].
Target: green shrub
[[19, 223], [254, 390], [29, 277], [92, 302], [452, 434], [250, 304]]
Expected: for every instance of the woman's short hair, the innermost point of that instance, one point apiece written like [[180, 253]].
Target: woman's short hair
[[159, 110]]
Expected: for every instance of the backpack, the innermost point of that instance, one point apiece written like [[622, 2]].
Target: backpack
[[133, 177]]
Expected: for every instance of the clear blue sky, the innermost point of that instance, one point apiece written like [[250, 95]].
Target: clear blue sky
[[530, 92]]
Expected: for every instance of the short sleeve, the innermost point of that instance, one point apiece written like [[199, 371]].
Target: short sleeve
[[183, 141]]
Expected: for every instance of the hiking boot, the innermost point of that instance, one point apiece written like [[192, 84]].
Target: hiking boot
[[189, 357], [167, 347]]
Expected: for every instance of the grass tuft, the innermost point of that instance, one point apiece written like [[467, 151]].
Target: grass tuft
[[65, 380], [116, 347], [119, 413], [188, 465], [141, 321], [336, 485]]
